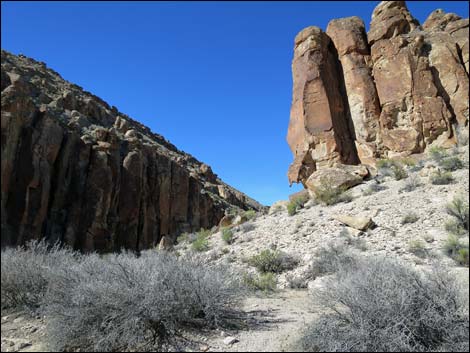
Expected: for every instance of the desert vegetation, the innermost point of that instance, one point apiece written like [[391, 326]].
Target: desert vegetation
[[381, 304], [118, 302]]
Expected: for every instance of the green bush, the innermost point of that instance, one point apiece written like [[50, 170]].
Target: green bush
[[408, 161], [417, 247], [201, 242], [183, 238], [456, 250], [249, 215], [296, 203], [399, 172], [385, 163], [437, 153], [462, 257], [272, 261], [264, 281], [227, 236], [328, 194], [451, 163], [441, 178], [459, 209]]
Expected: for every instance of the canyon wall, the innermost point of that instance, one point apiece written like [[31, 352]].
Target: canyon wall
[[78, 171]]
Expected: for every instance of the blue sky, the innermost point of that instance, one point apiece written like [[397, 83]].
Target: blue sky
[[214, 78]]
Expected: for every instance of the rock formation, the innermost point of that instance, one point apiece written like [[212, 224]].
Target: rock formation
[[76, 170], [390, 92]]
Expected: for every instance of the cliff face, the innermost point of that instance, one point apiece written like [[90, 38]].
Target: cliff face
[[391, 92], [76, 170]]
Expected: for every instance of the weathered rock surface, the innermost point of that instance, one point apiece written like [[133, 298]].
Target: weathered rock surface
[[76, 170], [319, 132], [349, 37], [391, 92]]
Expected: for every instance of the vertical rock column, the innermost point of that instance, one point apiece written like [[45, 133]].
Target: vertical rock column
[[319, 132], [413, 114], [350, 39], [447, 61]]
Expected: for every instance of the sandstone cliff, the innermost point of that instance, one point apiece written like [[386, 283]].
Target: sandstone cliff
[[391, 92], [76, 170]]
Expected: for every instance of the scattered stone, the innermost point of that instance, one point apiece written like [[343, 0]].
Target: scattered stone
[[230, 340]]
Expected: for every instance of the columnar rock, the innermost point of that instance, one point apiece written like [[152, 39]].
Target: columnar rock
[[448, 57], [76, 170], [413, 114], [350, 39], [319, 129], [405, 87], [453, 24]]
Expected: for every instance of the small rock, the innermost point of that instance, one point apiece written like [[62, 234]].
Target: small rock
[[230, 340], [23, 345], [357, 222]]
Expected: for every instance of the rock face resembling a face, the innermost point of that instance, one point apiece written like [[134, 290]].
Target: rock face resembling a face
[[393, 91]]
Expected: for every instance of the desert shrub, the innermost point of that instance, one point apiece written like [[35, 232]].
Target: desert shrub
[[227, 236], [246, 227], [451, 163], [441, 178], [291, 208], [385, 163], [417, 247], [273, 261], [328, 194], [459, 210], [399, 172], [125, 303], [409, 218], [456, 250], [437, 153], [452, 226], [201, 241], [383, 305], [297, 282], [330, 258], [373, 188], [26, 272], [408, 162], [296, 203], [184, 238], [249, 215], [411, 184], [265, 282], [462, 257]]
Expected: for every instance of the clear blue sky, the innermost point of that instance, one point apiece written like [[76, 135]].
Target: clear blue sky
[[214, 78]]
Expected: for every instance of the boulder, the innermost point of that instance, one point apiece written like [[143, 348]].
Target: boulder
[[337, 178], [361, 223]]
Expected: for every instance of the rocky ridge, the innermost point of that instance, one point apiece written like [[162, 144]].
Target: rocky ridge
[[391, 92], [76, 170]]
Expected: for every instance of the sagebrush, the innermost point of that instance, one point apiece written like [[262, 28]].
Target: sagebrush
[[383, 305], [119, 302]]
